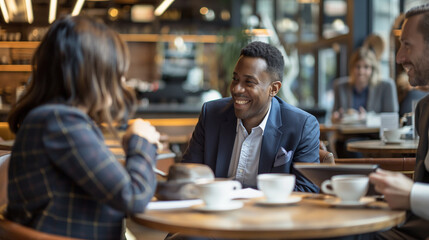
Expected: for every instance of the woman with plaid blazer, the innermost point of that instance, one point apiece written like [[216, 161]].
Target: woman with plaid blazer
[[62, 177]]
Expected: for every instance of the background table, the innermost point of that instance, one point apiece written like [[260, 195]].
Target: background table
[[378, 147], [333, 133], [302, 220]]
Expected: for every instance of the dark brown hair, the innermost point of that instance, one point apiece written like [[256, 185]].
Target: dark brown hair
[[79, 62], [423, 24]]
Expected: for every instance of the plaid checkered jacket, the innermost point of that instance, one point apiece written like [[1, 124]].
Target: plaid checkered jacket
[[64, 180]]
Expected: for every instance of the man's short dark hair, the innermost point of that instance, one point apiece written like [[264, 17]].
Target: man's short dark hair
[[424, 22], [273, 57]]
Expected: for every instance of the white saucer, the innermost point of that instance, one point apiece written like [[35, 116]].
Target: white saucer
[[336, 202], [231, 206], [394, 142], [289, 200]]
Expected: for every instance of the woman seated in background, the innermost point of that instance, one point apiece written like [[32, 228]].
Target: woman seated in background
[[62, 177], [364, 90]]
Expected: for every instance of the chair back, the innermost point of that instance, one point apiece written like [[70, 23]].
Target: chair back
[[13, 231], [4, 166], [326, 157]]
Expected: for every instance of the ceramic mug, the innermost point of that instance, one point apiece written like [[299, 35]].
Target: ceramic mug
[[276, 186], [349, 188], [391, 135], [215, 193]]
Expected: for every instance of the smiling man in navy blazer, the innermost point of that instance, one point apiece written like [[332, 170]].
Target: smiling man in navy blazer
[[254, 131]]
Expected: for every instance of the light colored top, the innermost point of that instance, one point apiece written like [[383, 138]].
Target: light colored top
[[419, 200], [246, 152]]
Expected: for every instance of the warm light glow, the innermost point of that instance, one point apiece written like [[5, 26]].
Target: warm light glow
[[52, 11], [162, 7], [397, 32], [204, 10], [225, 15], [308, 1], [4, 11], [258, 32], [77, 7], [113, 12], [28, 5]]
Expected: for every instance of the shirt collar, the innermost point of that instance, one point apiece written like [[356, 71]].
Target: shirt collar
[[261, 125]]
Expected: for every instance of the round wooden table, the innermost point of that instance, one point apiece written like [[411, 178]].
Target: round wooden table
[[303, 220], [378, 147]]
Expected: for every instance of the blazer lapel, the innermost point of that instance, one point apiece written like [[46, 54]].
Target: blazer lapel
[[371, 97], [226, 144], [271, 139]]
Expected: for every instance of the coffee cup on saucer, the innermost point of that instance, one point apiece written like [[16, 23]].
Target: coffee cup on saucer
[[391, 135], [217, 193], [349, 188], [276, 187]]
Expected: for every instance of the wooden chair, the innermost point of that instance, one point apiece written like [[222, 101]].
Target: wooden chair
[[13, 231], [404, 164], [4, 165], [324, 155]]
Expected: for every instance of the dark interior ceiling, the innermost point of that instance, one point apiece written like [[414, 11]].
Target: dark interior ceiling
[[190, 19]]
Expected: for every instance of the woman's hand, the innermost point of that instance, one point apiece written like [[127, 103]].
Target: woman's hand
[[143, 129], [362, 113], [337, 116]]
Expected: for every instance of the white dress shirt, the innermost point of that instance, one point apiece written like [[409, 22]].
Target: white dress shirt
[[245, 154], [419, 199]]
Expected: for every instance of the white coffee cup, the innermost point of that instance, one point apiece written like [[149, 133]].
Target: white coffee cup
[[349, 188], [391, 135], [216, 193], [276, 186]]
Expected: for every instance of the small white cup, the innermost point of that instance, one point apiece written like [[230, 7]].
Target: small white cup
[[276, 186], [349, 188], [216, 193], [391, 135]]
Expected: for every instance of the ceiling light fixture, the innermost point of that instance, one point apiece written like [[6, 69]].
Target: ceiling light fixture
[[52, 10], [28, 5], [4, 11], [162, 7], [77, 7]]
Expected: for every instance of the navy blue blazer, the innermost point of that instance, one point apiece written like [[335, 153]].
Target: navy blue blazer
[[291, 135]]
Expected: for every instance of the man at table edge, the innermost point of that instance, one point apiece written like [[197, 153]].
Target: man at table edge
[[399, 191], [254, 131]]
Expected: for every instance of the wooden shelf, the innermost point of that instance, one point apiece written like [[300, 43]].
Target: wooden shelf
[[15, 68], [169, 38], [19, 44], [128, 38]]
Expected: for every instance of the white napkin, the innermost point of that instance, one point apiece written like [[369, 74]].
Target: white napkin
[[158, 205], [245, 193]]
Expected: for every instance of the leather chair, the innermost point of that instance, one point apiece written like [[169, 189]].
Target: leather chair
[[13, 231], [324, 155]]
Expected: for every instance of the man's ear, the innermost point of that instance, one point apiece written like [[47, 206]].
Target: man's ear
[[275, 88]]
